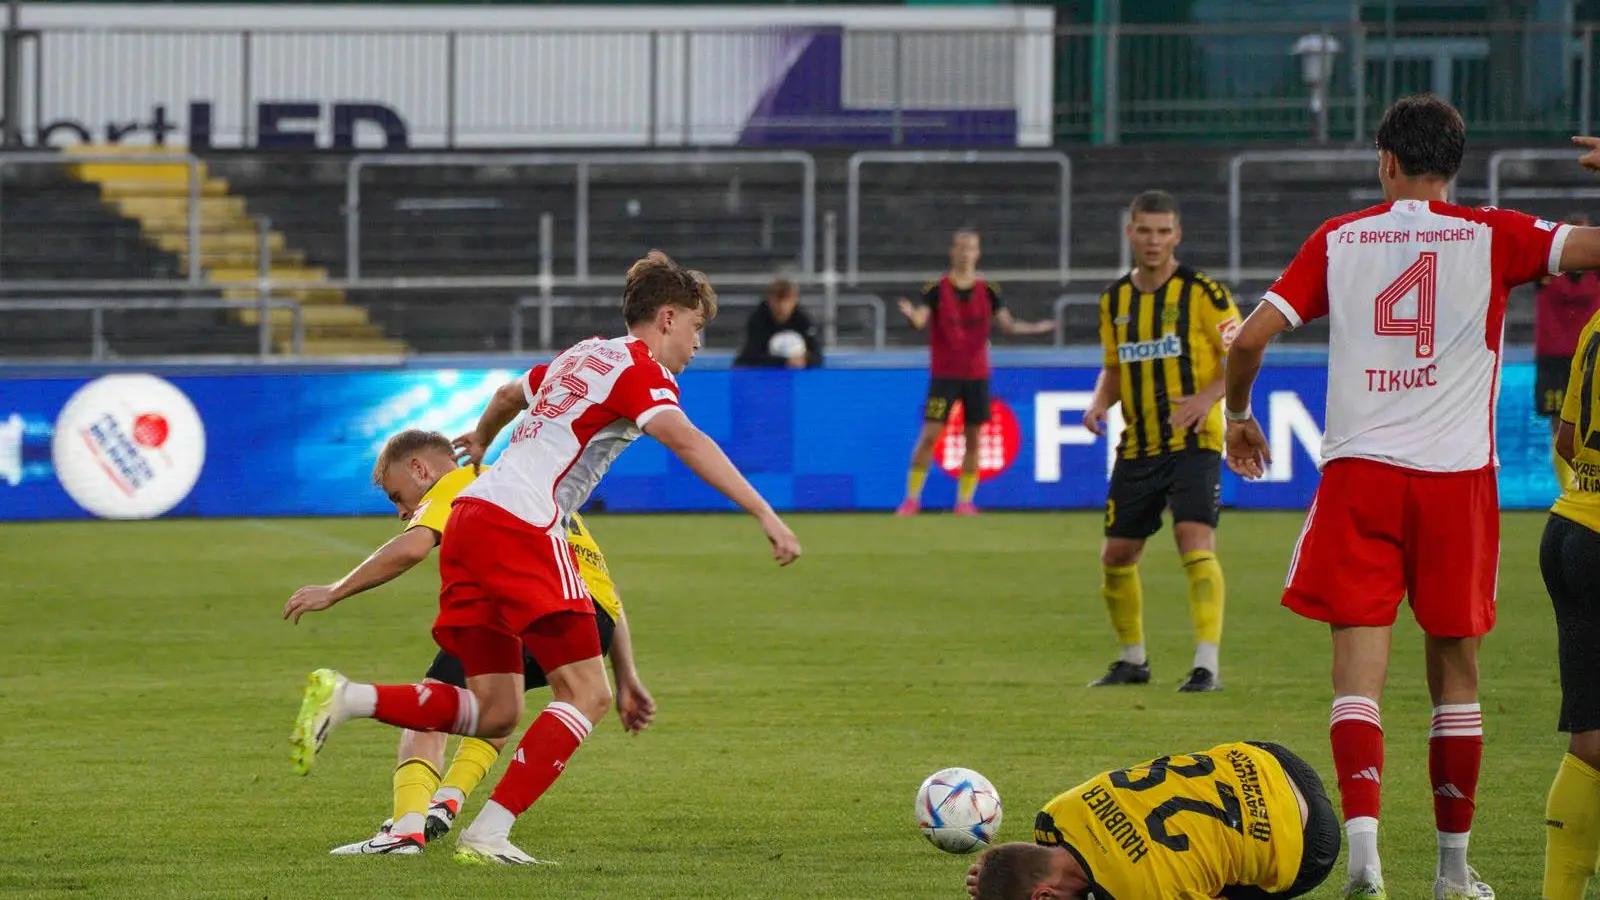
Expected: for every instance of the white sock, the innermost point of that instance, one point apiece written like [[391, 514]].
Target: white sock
[[410, 823], [1453, 858], [360, 701], [450, 793], [1205, 656], [1363, 834], [493, 823], [1133, 653]]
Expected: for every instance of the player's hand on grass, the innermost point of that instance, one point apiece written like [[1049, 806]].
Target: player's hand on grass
[[785, 546], [470, 448], [972, 880], [1591, 158], [1094, 419], [1248, 453], [1191, 412], [309, 599], [635, 705]]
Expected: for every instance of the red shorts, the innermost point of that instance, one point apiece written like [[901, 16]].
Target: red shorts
[[1376, 533], [500, 575]]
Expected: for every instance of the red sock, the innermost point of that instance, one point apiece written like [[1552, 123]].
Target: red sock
[[1357, 736], [1455, 750], [427, 707], [541, 756]]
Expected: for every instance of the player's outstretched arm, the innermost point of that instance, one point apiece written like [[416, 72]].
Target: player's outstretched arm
[[508, 401], [634, 703], [703, 457], [1010, 326], [1247, 451], [393, 559]]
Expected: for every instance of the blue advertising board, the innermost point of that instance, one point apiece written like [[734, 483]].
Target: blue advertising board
[[282, 442]]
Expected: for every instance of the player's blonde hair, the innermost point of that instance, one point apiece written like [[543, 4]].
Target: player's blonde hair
[[407, 444], [1011, 871], [656, 281]]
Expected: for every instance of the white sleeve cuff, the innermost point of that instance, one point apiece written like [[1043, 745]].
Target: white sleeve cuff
[[528, 389], [652, 412], [1557, 242], [1284, 307]]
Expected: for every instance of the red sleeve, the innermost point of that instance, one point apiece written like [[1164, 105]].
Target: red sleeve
[[532, 380], [642, 391], [1301, 292], [1525, 247]]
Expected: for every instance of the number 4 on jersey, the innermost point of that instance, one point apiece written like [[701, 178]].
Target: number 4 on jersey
[[1422, 277]]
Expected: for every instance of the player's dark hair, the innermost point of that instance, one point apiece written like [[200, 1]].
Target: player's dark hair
[[1154, 202], [656, 281], [1425, 134], [965, 231], [1011, 871], [407, 444]]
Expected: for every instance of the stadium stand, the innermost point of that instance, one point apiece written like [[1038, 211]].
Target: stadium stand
[[129, 221]]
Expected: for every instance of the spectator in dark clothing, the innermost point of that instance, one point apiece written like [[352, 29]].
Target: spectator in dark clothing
[[780, 333]]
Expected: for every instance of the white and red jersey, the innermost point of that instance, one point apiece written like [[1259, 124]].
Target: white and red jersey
[[1415, 294], [584, 409]]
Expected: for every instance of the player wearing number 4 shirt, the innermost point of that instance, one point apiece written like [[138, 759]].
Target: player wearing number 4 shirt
[[1415, 293], [1246, 821], [509, 579]]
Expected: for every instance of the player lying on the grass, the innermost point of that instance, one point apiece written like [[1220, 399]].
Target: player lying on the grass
[[509, 579], [1246, 821], [417, 470]]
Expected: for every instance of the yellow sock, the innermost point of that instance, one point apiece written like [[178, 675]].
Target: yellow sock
[[966, 487], [1125, 601], [471, 762], [1563, 471], [915, 479], [1572, 830], [1205, 595], [415, 780]]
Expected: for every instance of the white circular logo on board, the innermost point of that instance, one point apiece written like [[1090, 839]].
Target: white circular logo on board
[[128, 446]]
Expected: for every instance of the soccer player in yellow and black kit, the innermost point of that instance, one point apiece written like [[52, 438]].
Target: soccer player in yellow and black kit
[[1569, 557], [418, 470], [1246, 821], [1164, 328]]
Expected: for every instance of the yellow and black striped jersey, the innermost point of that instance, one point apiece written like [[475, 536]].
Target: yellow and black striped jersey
[[1181, 827], [1580, 500], [1165, 346]]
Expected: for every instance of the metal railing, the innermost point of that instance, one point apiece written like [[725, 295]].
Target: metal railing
[[956, 157], [1236, 190], [97, 307], [1058, 314], [583, 167], [566, 86]]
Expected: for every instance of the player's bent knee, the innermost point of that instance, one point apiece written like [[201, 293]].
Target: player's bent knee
[[1585, 745], [1121, 552], [498, 715]]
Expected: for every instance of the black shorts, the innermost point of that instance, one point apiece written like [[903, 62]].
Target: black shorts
[[1321, 831], [1569, 558], [944, 392], [447, 668], [1550, 383], [1189, 482]]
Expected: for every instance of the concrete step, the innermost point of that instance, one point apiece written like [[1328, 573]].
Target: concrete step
[[341, 347], [303, 296], [337, 317]]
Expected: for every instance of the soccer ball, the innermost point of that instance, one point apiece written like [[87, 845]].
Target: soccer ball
[[786, 344], [958, 810]]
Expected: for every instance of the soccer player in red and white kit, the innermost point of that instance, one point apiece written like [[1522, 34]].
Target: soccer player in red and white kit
[[1415, 292], [508, 577]]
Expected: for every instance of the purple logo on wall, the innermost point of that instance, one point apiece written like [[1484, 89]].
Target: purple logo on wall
[[807, 104]]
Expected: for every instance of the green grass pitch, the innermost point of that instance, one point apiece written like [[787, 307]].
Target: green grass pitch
[[147, 686]]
